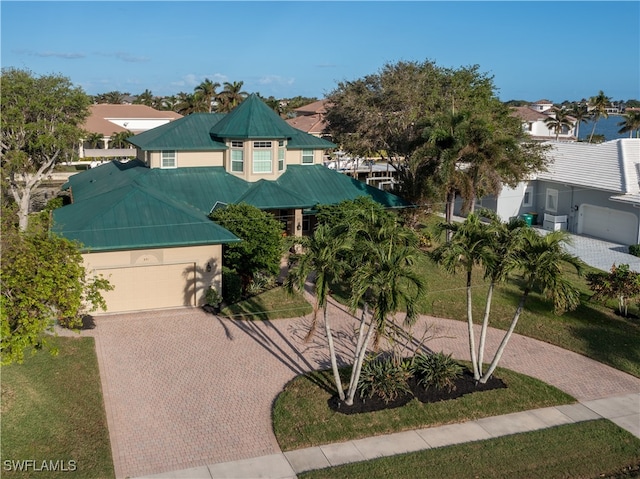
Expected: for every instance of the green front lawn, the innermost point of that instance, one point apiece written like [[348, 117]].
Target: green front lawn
[[584, 450], [272, 304], [592, 330], [52, 410]]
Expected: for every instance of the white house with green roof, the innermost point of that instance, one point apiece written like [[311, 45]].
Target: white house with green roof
[[145, 226]]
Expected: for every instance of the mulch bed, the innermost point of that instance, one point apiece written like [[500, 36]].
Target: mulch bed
[[463, 385]]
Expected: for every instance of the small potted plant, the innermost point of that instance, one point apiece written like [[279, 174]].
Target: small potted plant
[[212, 301]]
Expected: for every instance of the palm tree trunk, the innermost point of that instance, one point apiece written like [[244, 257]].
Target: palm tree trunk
[[360, 339], [485, 326], [506, 338], [357, 367], [593, 130], [472, 336], [332, 355]]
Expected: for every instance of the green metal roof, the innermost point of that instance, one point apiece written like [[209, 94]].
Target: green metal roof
[[189, 133], [269, 195], [325, 186], [252, 119], [300, 140], [136, 217]]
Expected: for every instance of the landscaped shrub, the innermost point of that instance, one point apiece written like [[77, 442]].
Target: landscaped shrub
[[634, 249], [262, 281], [437, 369], [231, 285], [385, 377]]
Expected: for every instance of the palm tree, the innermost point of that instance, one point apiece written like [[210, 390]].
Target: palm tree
[[382, 277], [581, 113], [145, 98], [558, 121], [630, 124], [467, 246], [118, 140], [540, 258], [187, 103], [95, 140], [231, 96], [385, 282], [598, 104], [207, 91], [322, 258]]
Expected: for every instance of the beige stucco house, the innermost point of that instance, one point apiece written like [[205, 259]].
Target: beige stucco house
[[144, 224]]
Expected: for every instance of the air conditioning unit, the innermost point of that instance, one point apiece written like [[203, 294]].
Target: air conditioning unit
[[555, 223]]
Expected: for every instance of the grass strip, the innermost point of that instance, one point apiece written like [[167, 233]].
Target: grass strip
[[275, 303], [53, 411], [583, 450]]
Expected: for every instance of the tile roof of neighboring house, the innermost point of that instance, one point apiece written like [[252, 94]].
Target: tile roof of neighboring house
[[112, 200], [98, 122], [319, 106], [312, 124], [526, 113], [543, 102], [190, 133], [611, 166]]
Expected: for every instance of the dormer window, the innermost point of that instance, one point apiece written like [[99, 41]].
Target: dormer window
[[169, 159], [262, 157], [307, 157]]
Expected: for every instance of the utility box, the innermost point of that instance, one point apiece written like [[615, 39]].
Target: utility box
[[555, 223]]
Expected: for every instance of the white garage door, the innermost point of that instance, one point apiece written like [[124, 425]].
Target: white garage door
[[611, 225], [150, 287]]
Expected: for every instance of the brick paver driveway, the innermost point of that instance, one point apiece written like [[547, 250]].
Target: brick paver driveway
[[183, 388]]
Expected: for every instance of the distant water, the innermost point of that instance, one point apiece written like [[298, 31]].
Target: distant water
[[604, 126]]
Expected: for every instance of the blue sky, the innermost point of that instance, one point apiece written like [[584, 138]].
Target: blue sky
[[553, 50]]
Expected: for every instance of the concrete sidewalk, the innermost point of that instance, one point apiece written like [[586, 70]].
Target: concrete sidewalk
[[622, 410]]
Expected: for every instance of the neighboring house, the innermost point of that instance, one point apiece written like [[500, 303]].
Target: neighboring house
[[144, 224], [533, 122], [107, 119], [589, 189], [310, 118]]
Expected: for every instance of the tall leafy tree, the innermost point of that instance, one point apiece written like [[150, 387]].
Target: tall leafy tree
[[41, 123], [444, 130], [261, 246], [43, 281], [598, 107], [630, 124], [323, 260], [559, 121]]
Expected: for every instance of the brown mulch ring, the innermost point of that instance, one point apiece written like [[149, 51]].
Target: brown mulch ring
[[463, 385]]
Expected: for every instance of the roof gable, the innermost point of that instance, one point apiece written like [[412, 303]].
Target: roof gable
[[326, 186]]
